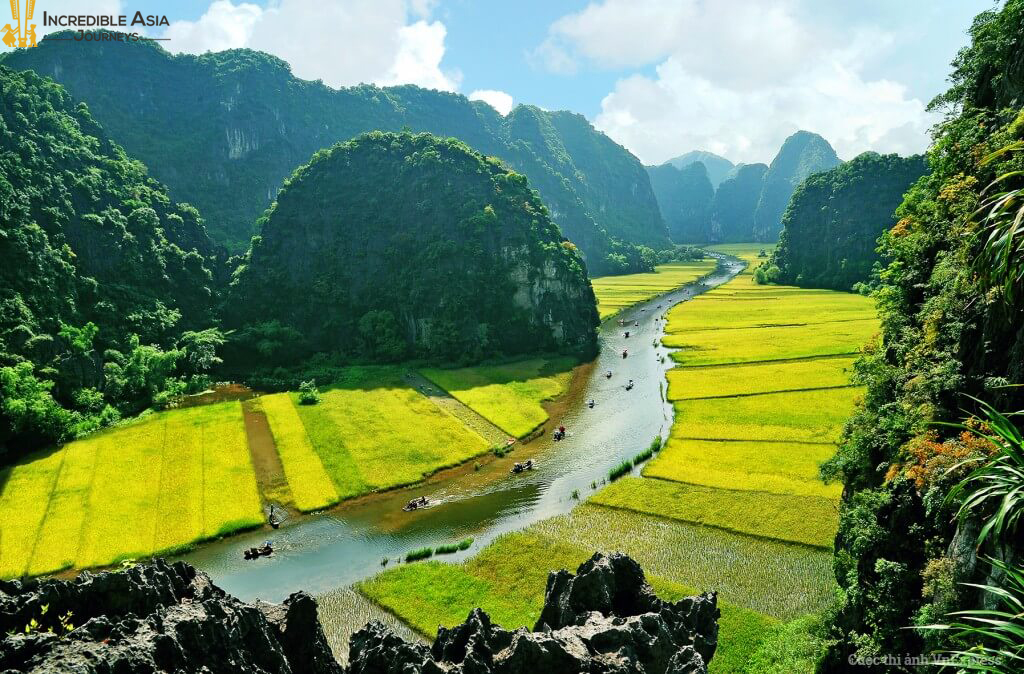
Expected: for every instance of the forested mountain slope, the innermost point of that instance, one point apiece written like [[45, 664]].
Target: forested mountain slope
[[953, 327], [830, 229], [96, 261], [801, 155], [734, 203], [456, 260], [684, 196], [223, 130]]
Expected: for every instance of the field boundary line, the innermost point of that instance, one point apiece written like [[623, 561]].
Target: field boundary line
[[734, 532], [159, 486], [656, 478], [750, 439], [46, 511], [767, 393], [796, 359]]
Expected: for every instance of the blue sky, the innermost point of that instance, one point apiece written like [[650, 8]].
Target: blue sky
[[659, 76]]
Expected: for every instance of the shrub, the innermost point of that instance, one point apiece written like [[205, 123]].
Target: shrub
[[308, 393], [618, 471]]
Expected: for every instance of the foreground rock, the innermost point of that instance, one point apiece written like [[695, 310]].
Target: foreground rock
[[156, 617], [604, 619]]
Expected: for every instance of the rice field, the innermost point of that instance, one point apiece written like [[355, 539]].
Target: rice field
[[379, 433], [776, 467], [745, 379], [429, 594], [767, 306], [808, 520], [509, 395], [155, 485], [769, 577], [311, 486], [746, 345], [795, 416], [615, 293]]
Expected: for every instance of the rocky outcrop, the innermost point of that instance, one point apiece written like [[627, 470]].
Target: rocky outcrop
[[156, 617], [605, 618]]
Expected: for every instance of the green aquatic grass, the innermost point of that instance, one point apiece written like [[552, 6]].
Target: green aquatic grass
[[743, 345], [623, 468], [730, 380], [509, 395], [311, 486], [383, 433], [774, 578], [507, 579], [791, 518], [158, 484], [615, 293], [777, 467], [798, 416]]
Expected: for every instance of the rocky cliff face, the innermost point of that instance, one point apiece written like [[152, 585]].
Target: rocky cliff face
[[605, 618], [162, 617], [684, 196], [156, 617], [398, 244]]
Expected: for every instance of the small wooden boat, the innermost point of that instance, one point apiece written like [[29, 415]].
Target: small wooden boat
[[264, 550], [416, 504], [520, 467]]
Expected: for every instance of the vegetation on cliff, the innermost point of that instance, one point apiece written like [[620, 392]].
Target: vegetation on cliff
[[734, 204], [831, 227], [106, 284], [455, 260], [800, 156], [684, 196], [952, 327], [225, 129]]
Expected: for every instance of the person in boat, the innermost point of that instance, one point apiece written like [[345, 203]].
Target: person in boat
[[608, 374], [590, 403], [626, 335], [636, 324], [625, 353]]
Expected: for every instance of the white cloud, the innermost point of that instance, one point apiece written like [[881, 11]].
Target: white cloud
[[418, 61], [223, 26], [341, 43], [499, 100], [736, 77]]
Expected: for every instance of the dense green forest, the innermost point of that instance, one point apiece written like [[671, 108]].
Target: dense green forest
[[106, 287], [458, 260], [832, 224], [953, 327], [732, 209], [223, 130], [801, 155], [684, 196]]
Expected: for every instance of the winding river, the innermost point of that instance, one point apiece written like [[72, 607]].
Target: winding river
[[348, 543]]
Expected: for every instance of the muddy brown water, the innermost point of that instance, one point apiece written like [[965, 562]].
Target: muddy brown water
[[348, 543]]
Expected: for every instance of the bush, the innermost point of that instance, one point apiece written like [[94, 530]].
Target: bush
[[308, 393], [624, 468], [419, 553]]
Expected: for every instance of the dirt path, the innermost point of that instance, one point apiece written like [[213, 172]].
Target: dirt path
[[488, 431], [270, 476]]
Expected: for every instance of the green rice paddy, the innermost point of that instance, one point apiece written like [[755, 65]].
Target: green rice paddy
[[809, 520], [745, 379], [378, 433], [428, 594], [152, 486], [511, 395], [615, 293]]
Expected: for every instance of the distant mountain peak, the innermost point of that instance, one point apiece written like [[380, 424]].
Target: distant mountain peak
[[716, 165]]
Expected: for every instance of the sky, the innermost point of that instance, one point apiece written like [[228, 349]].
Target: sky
[[661, 77]]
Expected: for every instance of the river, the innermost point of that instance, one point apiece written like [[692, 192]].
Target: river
[[348, 543]]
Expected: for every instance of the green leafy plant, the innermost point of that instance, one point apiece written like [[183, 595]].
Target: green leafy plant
[[308, 393], [1001, 260], [997, 484]]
